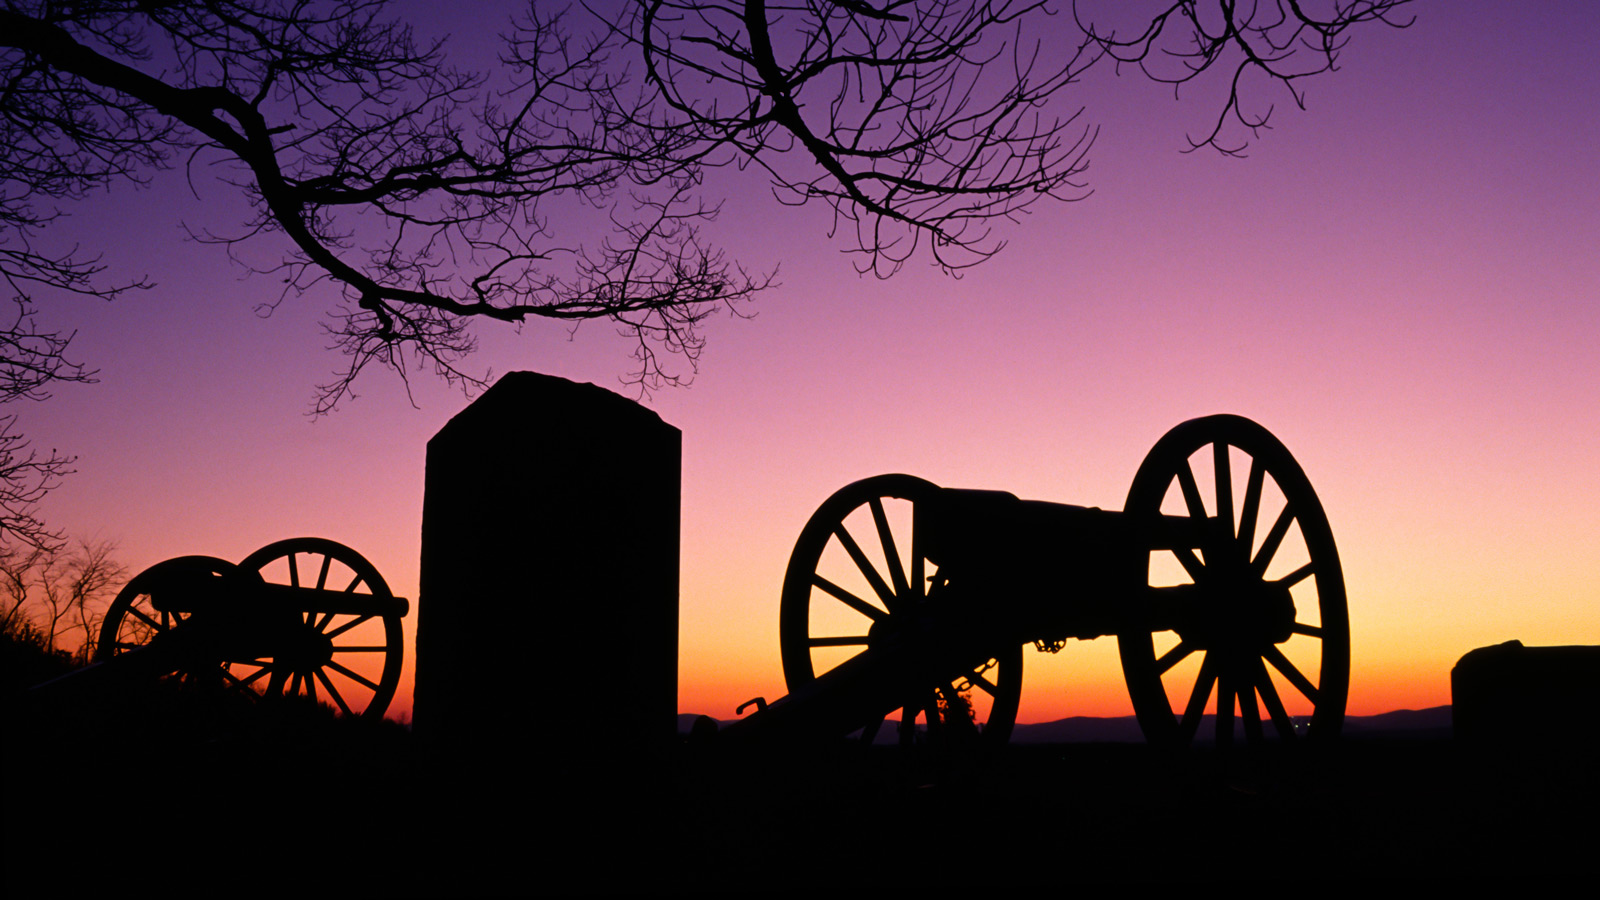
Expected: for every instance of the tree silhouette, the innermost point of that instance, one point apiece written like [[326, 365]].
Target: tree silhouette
[[429, 197], [53, 592]]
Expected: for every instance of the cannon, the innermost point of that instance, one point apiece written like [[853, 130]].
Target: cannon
[[1219, 580], [305, 616]]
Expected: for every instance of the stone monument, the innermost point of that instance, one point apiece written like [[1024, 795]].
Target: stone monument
[[548, 609]]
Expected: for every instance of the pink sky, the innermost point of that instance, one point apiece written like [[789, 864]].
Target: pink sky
[[1400, 282]]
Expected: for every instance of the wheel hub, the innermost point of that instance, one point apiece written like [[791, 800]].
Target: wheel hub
[[309, 650], [1239, 612]]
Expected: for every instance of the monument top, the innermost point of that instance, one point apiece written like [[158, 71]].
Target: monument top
[[521, 399]]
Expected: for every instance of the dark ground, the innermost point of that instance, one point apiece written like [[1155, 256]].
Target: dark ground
[[299, 802]]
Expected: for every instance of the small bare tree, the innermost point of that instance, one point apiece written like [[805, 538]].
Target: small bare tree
[[59, 594]]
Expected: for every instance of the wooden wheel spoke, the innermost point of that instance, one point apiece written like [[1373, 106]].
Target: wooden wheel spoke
[[311, 685], [1252, 506], [322, 576], [256, 675], [1223, 476], [244, 683], [919, 580], [1269, 698], [1225, 695], [347, 626], [1250, 713], [354, 583], [352, 675], [333, 692], [1197, 699], [1172, 657], [1269, 545], [1295, 577], [1191, 493], [847, 640], [849, 599], [322, 623], [1191, 563], [1308, 630], [294, 569], [138, 614], [981, 683], [361, 649], [868, 570], [1283, 665], [891, 554]]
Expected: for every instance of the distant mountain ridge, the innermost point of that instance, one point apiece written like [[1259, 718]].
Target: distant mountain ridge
[[1433, 722]]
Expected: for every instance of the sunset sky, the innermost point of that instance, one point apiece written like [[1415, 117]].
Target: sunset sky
[[1401, 282]]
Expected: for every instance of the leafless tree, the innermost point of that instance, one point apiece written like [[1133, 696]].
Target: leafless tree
[[429, 198], [1273, 41], [426, 195], [59, 594]]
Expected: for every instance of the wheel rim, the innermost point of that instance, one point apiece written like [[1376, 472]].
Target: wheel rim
[[350, 661], [1241, 652], [841, 584], [133, 621]]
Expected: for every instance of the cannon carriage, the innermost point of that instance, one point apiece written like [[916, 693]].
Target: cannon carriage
[[305, 616], [1219, 580]]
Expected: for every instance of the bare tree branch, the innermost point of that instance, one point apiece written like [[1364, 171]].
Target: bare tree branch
[[31, 361], [414, 188], [26, 476], [1282, 41], [922, 121]]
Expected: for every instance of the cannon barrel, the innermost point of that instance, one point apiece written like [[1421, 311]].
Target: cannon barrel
[[960, 524], [256, 596]]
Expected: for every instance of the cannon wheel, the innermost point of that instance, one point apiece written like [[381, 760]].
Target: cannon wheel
[[1306, 668], [836, 588], [132, 620], [346, 678]]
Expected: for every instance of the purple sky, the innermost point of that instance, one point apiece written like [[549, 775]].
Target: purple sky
[[1400, 282]]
